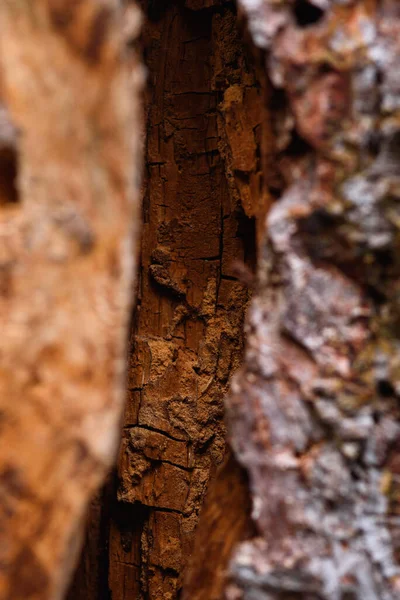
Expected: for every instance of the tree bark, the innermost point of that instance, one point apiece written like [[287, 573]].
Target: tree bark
[[200, 199], [225, 520], [314, 412], [69, 154]]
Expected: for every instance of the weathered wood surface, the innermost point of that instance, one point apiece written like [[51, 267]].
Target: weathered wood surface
[[314, 413], [201, 191], [69, 160], [224, 521]]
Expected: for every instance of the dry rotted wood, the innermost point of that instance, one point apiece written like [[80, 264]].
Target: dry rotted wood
[[69, 129], [201, 194]]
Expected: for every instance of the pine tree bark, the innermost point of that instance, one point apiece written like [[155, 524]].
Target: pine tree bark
[[314, 412], [69, 162], [200, 199]]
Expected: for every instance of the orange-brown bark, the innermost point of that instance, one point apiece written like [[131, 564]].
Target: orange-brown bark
[[201, 194], [68, 220]]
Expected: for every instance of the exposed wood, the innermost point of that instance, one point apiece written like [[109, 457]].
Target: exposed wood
[[224, 521], [201, 194], [69, 160]]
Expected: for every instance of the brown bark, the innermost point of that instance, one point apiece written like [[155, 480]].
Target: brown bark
[[68, 220], [90, 581], [225, 520], [201, 192], [313, 413]]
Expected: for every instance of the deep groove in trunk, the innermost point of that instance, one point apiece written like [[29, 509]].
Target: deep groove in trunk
[[202, 183]]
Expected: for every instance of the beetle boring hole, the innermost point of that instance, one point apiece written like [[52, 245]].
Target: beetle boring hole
[[385, 388], [307, 13], [298, 146], [8, 177]]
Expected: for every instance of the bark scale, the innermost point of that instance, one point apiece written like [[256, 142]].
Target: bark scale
[[69, 159]]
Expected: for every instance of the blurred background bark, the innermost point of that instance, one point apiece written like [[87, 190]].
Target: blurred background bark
[[70, 136]]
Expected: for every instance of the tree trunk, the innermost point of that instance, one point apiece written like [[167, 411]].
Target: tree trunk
[[69, 154], [308, 506], [201, 196], [314, 412], [199, 204]]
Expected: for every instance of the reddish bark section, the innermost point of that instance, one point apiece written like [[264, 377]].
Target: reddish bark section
[[314, 413]]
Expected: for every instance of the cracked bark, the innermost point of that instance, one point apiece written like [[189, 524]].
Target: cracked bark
[[201, 197], [314, 412], [69, 167], [199, 205]]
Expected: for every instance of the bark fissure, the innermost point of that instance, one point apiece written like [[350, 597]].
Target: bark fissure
[[187, 337]]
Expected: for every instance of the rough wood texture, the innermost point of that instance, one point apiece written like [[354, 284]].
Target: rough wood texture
[[314, 413], [203, 164], [68, 219], [224, 521]]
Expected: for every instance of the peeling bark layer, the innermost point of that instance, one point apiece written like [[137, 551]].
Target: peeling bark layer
[[69, 140], [314, 413], [201, 194]]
